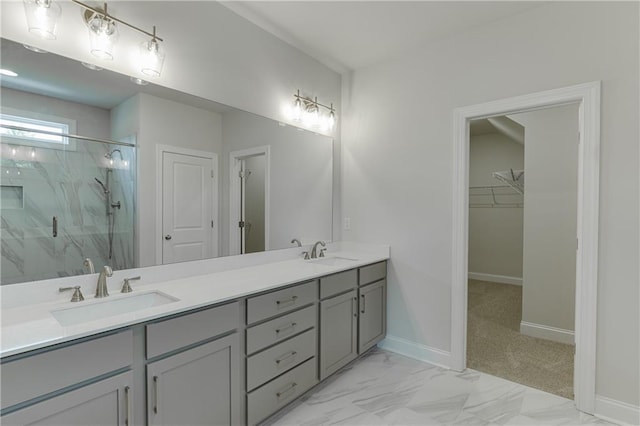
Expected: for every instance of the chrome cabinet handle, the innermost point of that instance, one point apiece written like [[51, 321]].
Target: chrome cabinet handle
[[292, 299], [127, 399], [354, 304], [290, 326], [167, 237], [287, 356], [363, 304], [55, 226], [288, 389], [155, 394]]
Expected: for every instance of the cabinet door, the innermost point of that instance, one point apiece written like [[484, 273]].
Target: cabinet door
[[373, 314], [196, 387], [107, 402], [338, 332]]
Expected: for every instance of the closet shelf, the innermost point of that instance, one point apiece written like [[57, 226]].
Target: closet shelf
[[504, 196]]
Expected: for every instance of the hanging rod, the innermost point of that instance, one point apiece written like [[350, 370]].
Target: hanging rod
[[66, 135], [113, 18]]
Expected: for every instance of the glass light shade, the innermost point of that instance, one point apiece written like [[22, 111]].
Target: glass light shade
[[151, 58], [297, 110], [331, 121], [103, 35], [42, 17]]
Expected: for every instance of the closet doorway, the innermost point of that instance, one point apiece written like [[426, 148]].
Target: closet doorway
[[587, 97], [522, 254]]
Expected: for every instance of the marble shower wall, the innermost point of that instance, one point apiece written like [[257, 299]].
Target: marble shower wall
[[39, 183]]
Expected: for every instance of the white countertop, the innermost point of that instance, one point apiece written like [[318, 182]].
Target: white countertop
[[32, 326]]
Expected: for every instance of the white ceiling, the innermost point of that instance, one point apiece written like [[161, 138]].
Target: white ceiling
[[348, 35]]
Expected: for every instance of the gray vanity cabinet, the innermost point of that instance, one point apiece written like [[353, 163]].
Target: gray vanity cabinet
[[107, 402], [195, 387], [338, 332], [372, 315], [372, 305], [193, 376]]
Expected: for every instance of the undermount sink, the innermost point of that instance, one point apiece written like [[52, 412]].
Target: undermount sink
[[109, 308], [333, 261]]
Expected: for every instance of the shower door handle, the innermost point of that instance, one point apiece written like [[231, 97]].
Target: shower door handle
[[167, 237], [55, 226]]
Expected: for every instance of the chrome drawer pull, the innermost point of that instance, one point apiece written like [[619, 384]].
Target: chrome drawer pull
[[291, 387], [288, 327], [289, 355], [292, 299], [155, 394], [363, 304], [127, 397]]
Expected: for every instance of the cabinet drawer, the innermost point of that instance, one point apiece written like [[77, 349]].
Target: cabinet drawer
[[169, 335], [371, 273], [338, 283], [33, 376], [266, 400], [268, 364], [280, 301], [278, 329]]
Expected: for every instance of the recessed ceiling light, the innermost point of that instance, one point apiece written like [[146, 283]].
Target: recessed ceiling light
[[8, 73], [139, 81], [34, 49], [91, 66]]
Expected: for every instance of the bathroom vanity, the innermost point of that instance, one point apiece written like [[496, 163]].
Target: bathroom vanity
[[255, 339]]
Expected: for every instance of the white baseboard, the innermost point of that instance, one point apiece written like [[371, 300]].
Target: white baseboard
[[502, 279], [416, 351], [546, 332], [617, 411]]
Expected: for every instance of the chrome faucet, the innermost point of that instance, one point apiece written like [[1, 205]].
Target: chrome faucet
[[101, 288], [296, 241], [314, 250], [89, 265]]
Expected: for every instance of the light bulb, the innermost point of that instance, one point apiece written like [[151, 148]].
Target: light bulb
[[42, 17]]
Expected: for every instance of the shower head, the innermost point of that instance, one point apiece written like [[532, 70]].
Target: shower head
[[104, 188], [109, 156]]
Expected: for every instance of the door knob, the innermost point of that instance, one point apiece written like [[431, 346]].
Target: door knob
[[167, 237]]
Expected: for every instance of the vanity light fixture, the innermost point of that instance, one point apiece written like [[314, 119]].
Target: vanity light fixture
[[308, 111], [151, 56], [42, 17], [103, 32]]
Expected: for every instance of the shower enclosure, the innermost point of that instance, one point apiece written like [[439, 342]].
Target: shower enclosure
[[63, 202]]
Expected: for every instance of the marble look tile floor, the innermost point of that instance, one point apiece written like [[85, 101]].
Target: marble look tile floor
[[384, 388]]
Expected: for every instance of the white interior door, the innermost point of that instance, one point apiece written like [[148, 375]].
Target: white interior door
[[187, 208]]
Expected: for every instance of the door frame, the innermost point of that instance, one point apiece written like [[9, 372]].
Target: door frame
[[234, 194], [160, 151], [587, 95]]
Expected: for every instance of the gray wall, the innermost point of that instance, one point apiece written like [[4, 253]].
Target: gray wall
[[550, 197], [397, 162]]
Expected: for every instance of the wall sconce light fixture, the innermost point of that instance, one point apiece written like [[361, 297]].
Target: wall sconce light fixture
[[42, 17], [308, 111]]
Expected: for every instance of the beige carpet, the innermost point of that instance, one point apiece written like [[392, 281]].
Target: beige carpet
[[495, 345]]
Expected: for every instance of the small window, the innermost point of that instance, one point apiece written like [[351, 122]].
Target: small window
[[34, 130]]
